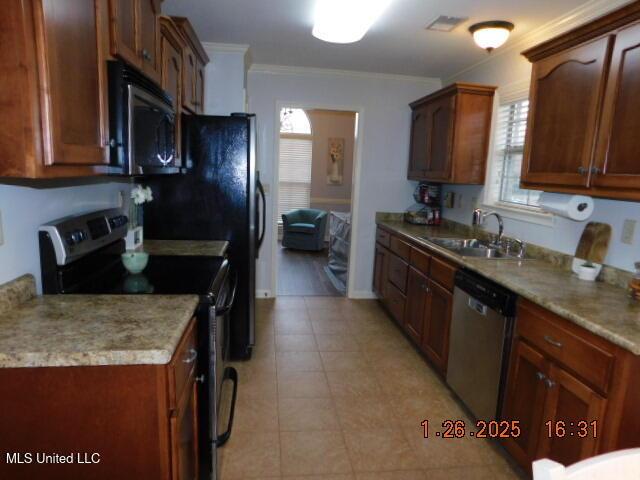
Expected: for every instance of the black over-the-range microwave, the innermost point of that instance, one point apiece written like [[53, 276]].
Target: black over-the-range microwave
[[142, 124]]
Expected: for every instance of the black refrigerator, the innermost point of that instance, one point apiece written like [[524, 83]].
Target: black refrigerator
[[218, 197]]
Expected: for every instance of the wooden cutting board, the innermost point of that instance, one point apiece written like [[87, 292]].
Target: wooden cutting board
[[594, 243]]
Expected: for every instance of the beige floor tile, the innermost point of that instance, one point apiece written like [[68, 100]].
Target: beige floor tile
[[397, 475], [305, 453], [302, 385], [407, 382], [411, 410], [250, 455], [337, 343], [295, 326], [265, 343], [255, 414], [326, 315], [461, 473], [289, 303], [333, 326], [379, 450], [438, 452], [307, 415], [261, 361], [353, 383], [324, 303], [254, 383], [296, 343], [344, 361], [337, 476], [364, 413], [299, 362]]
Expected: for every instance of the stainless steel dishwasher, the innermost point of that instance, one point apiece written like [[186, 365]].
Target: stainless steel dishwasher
[[480, 340]]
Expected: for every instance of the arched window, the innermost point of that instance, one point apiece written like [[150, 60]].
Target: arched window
[[294, 120]]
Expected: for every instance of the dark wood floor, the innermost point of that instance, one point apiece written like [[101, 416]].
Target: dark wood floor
[[302, 273]]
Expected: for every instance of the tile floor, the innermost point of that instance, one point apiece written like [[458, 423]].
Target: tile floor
[[334, 391]]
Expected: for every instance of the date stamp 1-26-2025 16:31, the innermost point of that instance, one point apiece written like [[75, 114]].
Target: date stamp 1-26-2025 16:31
[[508, 429]]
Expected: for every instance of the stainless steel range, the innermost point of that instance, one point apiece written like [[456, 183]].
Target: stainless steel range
[[82, 255]]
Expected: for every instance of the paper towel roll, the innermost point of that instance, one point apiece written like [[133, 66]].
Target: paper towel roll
[[574, 207]]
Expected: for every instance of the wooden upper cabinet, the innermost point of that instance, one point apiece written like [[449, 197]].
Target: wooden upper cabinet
[[195, 61], [616, 162], [171, 60], [566, 92], [450, 134], [54, 88], [583, 117], [135, 35], [150, 38]]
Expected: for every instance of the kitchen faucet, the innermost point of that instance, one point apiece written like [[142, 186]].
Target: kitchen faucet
[[479, 217]]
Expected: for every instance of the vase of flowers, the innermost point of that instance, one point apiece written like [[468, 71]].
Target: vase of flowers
[[139, 196]]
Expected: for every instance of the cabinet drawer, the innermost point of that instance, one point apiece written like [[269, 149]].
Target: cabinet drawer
[[400, 248], [575, 351], [442, 272], [183, 363], [420, 260], [395, 301], [383, 238], [398, 271]]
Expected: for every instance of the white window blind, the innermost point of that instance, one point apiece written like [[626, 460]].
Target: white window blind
[[512, 126], [295, 174]]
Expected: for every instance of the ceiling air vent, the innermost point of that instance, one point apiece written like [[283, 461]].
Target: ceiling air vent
[[445, 24]]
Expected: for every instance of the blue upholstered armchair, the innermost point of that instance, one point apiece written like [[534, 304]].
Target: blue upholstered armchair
[[304, 229]]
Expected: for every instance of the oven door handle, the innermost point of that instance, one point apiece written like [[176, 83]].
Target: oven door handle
[[225, 309], [230, 373]]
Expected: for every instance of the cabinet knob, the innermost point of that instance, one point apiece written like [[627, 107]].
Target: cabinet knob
[[541, 376], [596, 171], [550, 340], [146, 55], [549, 383], [582, 170]]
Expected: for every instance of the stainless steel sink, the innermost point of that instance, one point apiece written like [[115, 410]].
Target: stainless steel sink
[[472, 247]]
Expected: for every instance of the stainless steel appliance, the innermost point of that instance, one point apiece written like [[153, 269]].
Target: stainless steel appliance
[[141, 124], [81, 255], [219, 197], [479, 345]]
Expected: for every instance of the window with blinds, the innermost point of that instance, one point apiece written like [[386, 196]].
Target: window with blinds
[[512, 126], [295, 174]]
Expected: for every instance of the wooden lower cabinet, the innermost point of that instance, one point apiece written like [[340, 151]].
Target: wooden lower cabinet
[[380, 270], [435, 335], [417, 302], [140, 419]]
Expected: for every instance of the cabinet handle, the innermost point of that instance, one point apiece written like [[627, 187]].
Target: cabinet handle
[[553, 342], [596, 171], [146, 55], [200, 379], [549, 383], [425, 287], [541, 376], [193, 354], [582, 170]]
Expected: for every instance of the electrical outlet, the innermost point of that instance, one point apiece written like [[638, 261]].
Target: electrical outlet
[[1, 231], [628, 231]]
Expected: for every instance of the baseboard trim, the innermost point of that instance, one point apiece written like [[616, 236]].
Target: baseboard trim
[[363, 295], [264, 294]]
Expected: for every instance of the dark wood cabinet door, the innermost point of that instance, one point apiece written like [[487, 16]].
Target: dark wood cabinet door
[[70, 39], [416, 305], [171, 75], [418, 144], [149, 37], [124, 40], [619, 143], [524, 401], [440, 138], [569, 401], [437, 323], [566, 96], [199, 103], [379, 269], [189, 92], [184, 436]]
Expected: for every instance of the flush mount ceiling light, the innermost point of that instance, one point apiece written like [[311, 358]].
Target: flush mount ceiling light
[[346, 21], [491, 35]]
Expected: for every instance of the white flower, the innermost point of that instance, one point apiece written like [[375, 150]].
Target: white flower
[[140, 195]]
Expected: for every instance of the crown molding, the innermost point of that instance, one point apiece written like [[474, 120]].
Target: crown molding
[[572, 19], [289, 70], [213, 48]]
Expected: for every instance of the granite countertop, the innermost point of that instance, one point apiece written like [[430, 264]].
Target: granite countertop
[[89, 330], [209, 248], [603, 309]]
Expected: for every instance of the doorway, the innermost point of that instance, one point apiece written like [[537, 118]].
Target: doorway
[[316, 153]]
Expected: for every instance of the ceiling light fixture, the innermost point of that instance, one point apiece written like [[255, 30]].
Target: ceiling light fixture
[[491, 35], [346, 21]]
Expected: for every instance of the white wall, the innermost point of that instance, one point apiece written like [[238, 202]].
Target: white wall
[[507, 69], [24, 209], [385, 122], [225, 79]]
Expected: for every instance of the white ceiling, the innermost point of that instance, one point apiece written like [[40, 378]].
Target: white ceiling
[[279, 32]]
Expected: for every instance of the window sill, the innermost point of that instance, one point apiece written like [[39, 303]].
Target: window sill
[[522, 214]]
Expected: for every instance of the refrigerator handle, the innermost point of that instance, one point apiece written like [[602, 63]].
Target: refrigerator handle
[[264, 212]]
